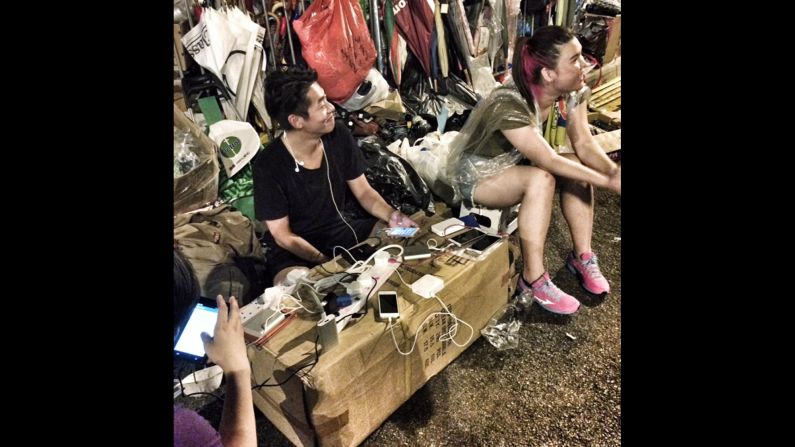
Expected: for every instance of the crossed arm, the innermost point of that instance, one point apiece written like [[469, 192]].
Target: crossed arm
[[597, 168]]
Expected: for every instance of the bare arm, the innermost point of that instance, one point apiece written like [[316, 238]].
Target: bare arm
[[533, 146], [295, 244], [588, 150], [227, 349], [374, 204]]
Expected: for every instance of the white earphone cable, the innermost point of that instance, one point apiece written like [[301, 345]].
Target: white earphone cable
[[331, 190]]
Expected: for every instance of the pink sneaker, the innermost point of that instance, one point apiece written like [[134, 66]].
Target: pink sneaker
[[549, 296], [587, 269]]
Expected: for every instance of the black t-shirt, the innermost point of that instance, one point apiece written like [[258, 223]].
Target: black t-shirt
[[304, 196]]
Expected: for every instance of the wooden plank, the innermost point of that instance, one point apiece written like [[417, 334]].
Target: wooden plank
[[602, 101], [607, 84], [613, 105], [607, 91], [181, 55], [613, 40]]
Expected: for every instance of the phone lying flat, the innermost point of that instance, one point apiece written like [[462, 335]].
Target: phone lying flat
[[466, 237], [480, 245], [359, 253], [387, 306]]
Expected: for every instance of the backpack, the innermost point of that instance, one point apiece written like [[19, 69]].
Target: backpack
[[224, 251]]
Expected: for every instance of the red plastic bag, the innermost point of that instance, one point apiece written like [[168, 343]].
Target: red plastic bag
[[335, 42]]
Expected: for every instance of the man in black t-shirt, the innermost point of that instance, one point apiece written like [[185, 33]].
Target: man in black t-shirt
[[305, 180]]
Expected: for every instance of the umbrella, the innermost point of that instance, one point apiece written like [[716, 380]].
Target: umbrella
[[414, 19], [392, 41], [441, 40], [460, 35]]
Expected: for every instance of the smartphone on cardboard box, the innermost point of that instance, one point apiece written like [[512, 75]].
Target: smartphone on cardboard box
[[483, 243], [387, 305], [357, 253], [467, 237]]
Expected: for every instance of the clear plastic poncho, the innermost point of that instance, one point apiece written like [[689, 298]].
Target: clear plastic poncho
[[481, 150]]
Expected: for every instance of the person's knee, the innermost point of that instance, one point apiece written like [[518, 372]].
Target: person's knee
[[540, 182]]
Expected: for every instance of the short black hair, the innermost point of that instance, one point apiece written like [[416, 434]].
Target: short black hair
[[186, 290], [286, 93]]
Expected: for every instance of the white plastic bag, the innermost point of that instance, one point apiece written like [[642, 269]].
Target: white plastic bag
[[237, 142], [379, 89], [204, 380], [210, 42], [244, 61], [429, 155]]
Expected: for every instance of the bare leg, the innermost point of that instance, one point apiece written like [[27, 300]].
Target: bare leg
[[576, 202], [534, 188]]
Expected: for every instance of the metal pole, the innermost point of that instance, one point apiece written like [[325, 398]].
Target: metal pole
[[270, 37], [289, 34], [187, 9], [376, 34], [190, 23]]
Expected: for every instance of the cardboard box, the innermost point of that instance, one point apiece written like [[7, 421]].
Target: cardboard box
[[355, 386], [199, 187]]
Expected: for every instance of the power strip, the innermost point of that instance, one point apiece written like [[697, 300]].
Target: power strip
[[258, 319], [427, 286]]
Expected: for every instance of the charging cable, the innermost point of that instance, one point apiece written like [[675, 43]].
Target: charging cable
[[449, 335], [331, 190], [401, 279], [364, 266], [454, 327], [433, 245]]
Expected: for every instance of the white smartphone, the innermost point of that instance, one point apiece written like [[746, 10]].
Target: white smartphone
[[402, 231], [387, 305], [202, 319], [483, 243]]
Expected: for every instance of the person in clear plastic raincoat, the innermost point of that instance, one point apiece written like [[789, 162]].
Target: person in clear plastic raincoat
[[529, 136]]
